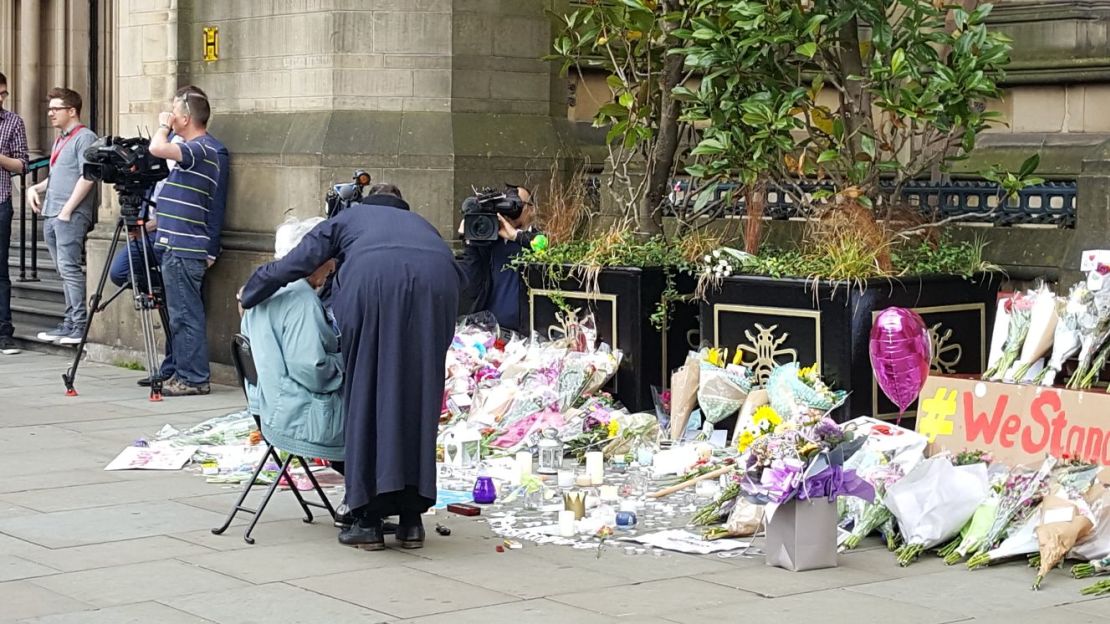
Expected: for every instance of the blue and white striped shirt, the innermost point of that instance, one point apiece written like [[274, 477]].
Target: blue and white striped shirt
[[186, 200]]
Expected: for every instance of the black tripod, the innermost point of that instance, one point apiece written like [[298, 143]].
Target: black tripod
[[149, 293]]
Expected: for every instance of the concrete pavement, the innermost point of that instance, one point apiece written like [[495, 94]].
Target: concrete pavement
[[78, 544]]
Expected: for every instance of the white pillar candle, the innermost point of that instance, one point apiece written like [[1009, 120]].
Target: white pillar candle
[[595, 467], [566, 478], [566, 523], [608, 493], [523, 464]]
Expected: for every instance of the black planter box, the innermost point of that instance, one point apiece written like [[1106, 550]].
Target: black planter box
[[784, 320], [622, 306]]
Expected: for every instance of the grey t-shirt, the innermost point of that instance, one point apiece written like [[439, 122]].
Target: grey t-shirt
[[64, 174]]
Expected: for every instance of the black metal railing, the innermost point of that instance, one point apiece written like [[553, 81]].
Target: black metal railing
[[37, 170], [975, 201]]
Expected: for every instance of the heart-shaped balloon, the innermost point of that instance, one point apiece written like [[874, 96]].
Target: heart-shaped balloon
[[900, 355]]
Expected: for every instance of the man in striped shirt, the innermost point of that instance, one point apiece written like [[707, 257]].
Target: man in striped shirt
[[185, 207], [13, 161]]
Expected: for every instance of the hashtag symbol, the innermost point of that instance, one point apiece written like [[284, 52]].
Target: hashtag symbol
[[937, 412]]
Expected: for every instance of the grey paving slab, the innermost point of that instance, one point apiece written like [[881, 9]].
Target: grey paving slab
[[108, 524], [403, 592], [148, 487], [44, 413], [266, 564], [53, 479], [114, 553], [283, 505], [267, 533], [832, 605], [274, 603], [140, 613], [22, 600], [13, 568], [11, 510], [1000, 589], [13, 546], [38, 437], [538, 611], [1099, 607], [140, 582], [656, 598], [1049, 615], [56, 460], [518, 573], [613, 561]]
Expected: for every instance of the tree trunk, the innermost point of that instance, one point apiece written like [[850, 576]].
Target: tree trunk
[[755, 199], [666, 145], [856, 105]]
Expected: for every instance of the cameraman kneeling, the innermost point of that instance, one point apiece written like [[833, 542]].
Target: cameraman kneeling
[[493, 285], [300, 370]]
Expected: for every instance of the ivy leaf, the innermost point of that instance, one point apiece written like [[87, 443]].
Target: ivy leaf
[[828, 155], [868, 145], [807, 49], [626, 100]]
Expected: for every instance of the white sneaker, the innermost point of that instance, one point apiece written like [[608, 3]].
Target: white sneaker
[[73, 338], [56, 334], [7, 346]]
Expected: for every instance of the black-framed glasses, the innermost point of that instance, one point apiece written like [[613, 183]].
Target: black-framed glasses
[[54, 109]]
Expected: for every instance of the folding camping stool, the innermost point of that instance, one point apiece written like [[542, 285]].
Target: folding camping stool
[[244, 367]]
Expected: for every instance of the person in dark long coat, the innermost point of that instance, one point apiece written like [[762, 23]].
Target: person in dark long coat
[[394, 298]]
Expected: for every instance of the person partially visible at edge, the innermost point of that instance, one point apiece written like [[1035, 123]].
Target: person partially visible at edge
[[119, 271], [394, 298], [299, 397], [68, 209], [13, 161], [492, 285], [186, 222]]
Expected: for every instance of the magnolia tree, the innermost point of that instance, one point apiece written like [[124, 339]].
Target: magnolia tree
[[826, 98]]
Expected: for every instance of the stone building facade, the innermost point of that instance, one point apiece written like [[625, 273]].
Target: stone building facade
[[436, 95]]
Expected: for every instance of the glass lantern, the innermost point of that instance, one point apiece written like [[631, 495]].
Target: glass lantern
[[550, 452]]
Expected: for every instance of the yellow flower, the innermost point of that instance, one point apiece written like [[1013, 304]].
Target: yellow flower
[[614, 428], [808, 372], [767, 414], [716, 358], [745, 441], [738, 358]]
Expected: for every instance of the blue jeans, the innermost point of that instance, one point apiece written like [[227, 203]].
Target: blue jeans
[[183, 278], [5, 279], [120, 275], [66, 242]]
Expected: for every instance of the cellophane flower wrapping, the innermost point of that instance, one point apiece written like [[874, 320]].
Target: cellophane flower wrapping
[[1042, 327], [684, 394], [1020, 310], [720, 394], [934, 501], [1094, 324], [800, 394], [1096, 544], [999, 332], [1018, 499], [1066, 337]]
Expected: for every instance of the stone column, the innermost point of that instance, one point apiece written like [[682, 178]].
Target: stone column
[[30, 93]]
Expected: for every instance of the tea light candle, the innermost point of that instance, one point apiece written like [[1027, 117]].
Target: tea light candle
[[566, 478], [583, 480], [595, 467], [523, 465], [566, 523]]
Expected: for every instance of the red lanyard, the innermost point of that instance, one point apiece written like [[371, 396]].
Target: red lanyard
[[59, 143]]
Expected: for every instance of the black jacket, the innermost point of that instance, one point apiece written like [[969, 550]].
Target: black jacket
[[476, 264]]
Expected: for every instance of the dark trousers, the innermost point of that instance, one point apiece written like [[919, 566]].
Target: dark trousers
[[120, 274], [5, 278], [407, 503]]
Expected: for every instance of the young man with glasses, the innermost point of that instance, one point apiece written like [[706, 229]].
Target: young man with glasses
[[185, 210], [67, 209], [13, 161]]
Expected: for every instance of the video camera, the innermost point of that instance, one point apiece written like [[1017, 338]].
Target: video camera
[[129, 165], [341, 196], [480, 223]]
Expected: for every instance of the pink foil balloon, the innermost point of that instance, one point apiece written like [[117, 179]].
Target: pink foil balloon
[[900, 354]]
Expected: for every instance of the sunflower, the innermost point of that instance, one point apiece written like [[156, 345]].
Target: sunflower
[[745, 441]]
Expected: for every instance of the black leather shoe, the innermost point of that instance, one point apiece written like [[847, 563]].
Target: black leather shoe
[[364, 534], [344, 519], [411, 535], [144, 382], [389, 527]]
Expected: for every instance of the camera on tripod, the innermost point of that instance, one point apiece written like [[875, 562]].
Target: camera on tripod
[[480, 211], [341, 196], [128, 164]]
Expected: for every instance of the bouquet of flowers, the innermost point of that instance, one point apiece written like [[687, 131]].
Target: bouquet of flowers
[[1094, 329], [1042, 327], [1020, 496], [1022, 540], [1095, 567], [799, 394], [1066, 336], [1065, 518], [866, 517], [933, 502], [1019, 309], [721, 391]]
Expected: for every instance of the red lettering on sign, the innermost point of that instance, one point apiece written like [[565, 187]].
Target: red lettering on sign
[[1011, 426], [1075, 434], [1036, 411], [1092, 451], [977, 424]]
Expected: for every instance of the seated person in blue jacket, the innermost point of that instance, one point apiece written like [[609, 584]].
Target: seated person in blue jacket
[[299, 397]]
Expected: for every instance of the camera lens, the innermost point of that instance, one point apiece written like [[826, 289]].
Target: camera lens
[[480, 227]]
